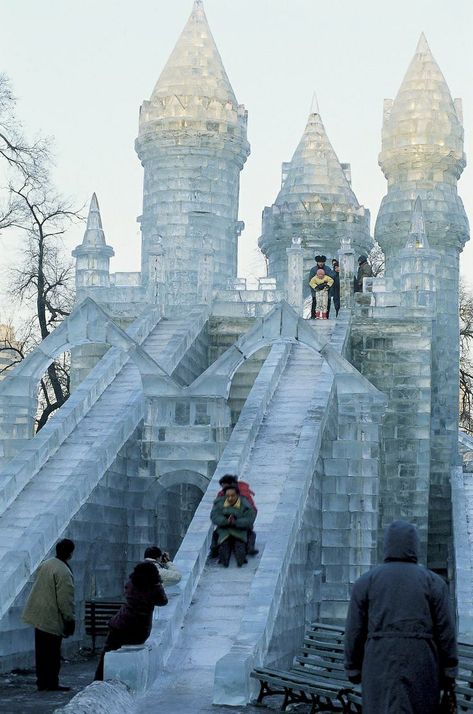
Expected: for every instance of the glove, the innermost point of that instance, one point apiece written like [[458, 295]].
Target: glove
[[355, 679], [69, 628]]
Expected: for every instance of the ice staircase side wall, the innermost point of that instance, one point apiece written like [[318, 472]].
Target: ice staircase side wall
[[101, 559]]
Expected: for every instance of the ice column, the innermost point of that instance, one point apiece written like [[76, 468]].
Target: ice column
[[346, 257], [295, 274]]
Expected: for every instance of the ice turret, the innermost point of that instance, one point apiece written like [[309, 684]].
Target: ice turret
[[192, 144], [93, 254], [316, 203], [422, 154]]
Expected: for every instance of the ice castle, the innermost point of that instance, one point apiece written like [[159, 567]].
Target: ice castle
[[181, 373]]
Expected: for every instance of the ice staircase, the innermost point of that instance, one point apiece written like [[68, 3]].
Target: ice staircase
[[232, 612], [221, 599], [53, 486]]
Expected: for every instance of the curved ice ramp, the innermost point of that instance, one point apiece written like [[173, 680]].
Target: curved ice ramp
[[88, 323], [36, 451], [287, 445], [55, 474]]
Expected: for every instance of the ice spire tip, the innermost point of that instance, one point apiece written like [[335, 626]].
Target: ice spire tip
[[422, 46], [94, 204], [94, 220], [314, 107]]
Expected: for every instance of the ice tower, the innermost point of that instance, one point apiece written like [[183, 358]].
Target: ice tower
[[316, 203], [93, 254], [422, 155], [192, 144]]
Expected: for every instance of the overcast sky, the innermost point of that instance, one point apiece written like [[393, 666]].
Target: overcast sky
[[81, 68]]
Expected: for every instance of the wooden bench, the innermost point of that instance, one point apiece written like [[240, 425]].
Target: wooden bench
[[98, 613], [317, 675], [464, 680]]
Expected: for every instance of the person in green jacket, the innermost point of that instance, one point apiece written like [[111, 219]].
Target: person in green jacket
[[50, 609], [233, 516]]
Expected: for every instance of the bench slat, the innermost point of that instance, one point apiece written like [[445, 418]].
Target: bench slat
[[98, 614], [293, 677]]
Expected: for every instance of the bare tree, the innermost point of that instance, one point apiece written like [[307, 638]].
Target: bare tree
[[466, 358], [12, 349], [44, 278], [36, 214], [17, 155], [377, 261]]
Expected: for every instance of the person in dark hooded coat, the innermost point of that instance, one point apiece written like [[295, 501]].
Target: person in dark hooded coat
[[400, 637]]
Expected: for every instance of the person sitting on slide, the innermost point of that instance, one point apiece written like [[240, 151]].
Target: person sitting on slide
[[246, 492], [233, 516]]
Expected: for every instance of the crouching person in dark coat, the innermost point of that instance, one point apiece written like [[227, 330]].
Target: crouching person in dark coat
[[132, 623], [400, 637], [234, 517]]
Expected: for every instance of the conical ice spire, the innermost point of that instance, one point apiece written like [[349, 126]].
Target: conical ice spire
[[93, 254], [315, 168], [423, 112], [94, 235], [195, 67], [417, 236]]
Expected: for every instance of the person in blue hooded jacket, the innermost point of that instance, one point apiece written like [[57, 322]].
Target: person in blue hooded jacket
[[400, 637]]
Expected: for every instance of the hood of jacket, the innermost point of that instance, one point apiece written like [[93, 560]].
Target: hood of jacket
[[401, 542]]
